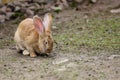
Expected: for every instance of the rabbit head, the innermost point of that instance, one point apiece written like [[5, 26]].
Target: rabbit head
[[45, 42]]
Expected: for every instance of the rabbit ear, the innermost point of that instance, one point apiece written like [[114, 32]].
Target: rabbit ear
[[47, 22], [38, 24]]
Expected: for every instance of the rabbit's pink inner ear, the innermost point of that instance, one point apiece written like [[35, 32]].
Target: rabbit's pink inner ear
[[38, 24]]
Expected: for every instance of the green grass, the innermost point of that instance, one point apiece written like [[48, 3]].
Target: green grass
[[6, 42], [96, 33]]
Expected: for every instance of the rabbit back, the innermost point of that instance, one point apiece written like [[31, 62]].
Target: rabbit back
[[26, 33]]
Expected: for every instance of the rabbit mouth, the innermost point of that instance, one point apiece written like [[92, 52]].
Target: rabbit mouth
[[48, 51]]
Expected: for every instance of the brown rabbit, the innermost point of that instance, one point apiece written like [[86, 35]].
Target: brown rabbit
[[34, 35]]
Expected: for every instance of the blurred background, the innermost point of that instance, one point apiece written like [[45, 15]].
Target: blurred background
[[86, 37], [11, 9]]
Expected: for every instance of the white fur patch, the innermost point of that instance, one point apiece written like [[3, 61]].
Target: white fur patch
[[26, 53]]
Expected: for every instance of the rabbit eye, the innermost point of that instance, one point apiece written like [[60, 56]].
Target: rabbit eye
[[46, 42]]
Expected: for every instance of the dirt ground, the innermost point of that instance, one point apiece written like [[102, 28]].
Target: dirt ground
[[81, 50]]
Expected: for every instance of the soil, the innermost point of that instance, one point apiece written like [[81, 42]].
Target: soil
[[62, 64]]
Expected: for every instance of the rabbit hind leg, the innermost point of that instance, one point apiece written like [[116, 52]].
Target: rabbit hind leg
[[19, 48]]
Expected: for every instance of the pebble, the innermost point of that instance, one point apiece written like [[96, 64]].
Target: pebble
[[115, 10], [54, 27], [29, 13], [2, 18], [17, 8], [32, 8], [114, 57], [63, 68], [3, 9], [93, 1], [17, 3], [57, 8], [9, 14], [60, 61], [70, 65]]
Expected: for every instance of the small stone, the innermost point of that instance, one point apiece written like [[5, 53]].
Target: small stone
[[3, 9], [115, 10], [32, 7], [65, 3], [93, 1], [17, 3], [8, 9], [37, 5], [57, 8], [54, 27], [29, 13], [85, 17], [24, 4], [9, 15], [60, 61], [2, 18], [114, 56], [17, 8], [63, 68], [10, 4], [70, 65], [23, 10], [1, 5]]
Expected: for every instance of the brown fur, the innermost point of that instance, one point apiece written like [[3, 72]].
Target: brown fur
[[28, 38]]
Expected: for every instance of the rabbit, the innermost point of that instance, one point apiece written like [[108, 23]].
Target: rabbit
[[34, 35]]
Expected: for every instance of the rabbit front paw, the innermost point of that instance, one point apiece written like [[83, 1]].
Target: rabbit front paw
[[26, 53], [33, 55]]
